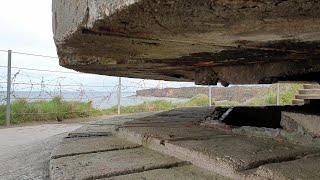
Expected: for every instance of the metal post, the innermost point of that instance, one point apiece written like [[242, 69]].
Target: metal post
[[210, 96], [119, 96], [60, 91], [8, 112], [278, 92]]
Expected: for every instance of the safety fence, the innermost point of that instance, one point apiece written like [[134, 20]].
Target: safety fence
[[30, 80]]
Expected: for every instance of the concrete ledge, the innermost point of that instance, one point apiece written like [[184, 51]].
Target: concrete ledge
[[301, 123], [74, 147], [92, 130]]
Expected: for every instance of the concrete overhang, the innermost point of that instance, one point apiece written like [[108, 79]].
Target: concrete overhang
[[206, 41]]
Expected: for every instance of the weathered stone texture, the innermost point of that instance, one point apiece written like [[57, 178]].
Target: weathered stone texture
[[185, 40], [301, 123], [178, 173], [109, 164], [77, 146], [220, 149], [304, 168]]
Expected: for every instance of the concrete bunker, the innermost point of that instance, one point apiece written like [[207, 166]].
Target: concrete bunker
[[204, 41]]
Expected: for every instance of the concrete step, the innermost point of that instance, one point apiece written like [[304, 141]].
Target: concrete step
[[77, 146], [308, 96], [309, 91], [298, 102], [311, 86]]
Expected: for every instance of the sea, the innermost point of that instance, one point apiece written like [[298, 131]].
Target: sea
[[100, 100]]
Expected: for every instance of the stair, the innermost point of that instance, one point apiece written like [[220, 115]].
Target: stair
[[311, 86], [309, 92], [308, 96], [297, 101]]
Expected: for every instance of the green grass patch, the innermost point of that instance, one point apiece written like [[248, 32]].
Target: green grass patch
[[24, 111], [287, 94]]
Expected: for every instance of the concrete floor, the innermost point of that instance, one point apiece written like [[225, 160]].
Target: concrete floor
[[169, 145]]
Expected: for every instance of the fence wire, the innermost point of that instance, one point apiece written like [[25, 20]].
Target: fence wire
[[36, 84]]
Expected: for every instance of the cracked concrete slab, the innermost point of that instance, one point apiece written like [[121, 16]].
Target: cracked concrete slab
[[119, 120], [106, 126], [238, 153], [227, 155], [218, 150], [76, 146], [304, 168], [189, 115], [167, 132], [92, 130], [187, 172], [181, 140], [178, 124], [110, 164]]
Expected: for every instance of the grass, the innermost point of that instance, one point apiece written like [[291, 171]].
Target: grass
[[287, 94], [24, 111]]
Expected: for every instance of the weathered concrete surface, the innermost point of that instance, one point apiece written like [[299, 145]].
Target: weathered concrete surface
[[220, 149], [185, 40], [229, 155], [109, 157], [302, 123], [178, 124], [304, 168], [240, 153], [178, 139], [93, 130], [187, 172], [109, 164], [105, 126], [77, 146], [119, 120]]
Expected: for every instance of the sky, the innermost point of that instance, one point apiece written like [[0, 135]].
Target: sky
[[25, 26]]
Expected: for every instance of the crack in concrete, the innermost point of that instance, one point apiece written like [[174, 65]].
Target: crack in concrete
[[198, 138], [97, 151], [257, 164], [140, 170], [88, 135]]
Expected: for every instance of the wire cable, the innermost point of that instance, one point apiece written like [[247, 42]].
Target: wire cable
[[30, 54], [42, 70]]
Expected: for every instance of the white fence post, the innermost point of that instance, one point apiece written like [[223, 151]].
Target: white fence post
[[278, 94], [119, 96], [8, 112], [210, 96]]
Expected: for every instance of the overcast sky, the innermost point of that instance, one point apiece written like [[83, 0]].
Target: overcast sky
[[25, 26]]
